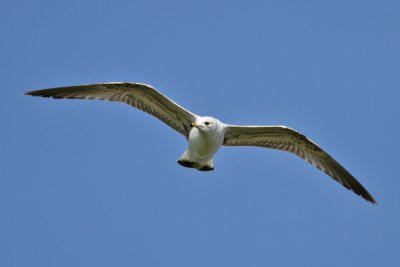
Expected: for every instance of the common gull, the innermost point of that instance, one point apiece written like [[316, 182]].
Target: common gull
[[206, 135]]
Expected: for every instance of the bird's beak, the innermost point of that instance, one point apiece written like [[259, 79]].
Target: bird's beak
[[193, 124]]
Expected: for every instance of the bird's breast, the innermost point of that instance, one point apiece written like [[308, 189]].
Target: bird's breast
[[203, 144]]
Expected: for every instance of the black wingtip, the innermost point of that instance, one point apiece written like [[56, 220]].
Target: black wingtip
[[368, 197], [34, 93], [365, 195], [373, 201], [41, 93]]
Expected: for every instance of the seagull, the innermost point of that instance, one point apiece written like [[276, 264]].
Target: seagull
[[205, 135]]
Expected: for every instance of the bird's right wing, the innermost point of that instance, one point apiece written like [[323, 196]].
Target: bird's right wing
[[286, 139], [141, 96]]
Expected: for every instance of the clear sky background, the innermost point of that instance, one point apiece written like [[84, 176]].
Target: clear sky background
[[90, 183]]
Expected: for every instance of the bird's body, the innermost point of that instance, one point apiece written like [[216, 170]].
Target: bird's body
[[205, 138], [206, 135]]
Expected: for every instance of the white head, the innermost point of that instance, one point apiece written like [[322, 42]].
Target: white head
[[207, 124]]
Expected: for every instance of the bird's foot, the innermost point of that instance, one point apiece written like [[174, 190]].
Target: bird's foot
[[187, 164], [206, 168], [191, 164]]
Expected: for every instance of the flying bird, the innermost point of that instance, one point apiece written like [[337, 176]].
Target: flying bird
[[205, 135]]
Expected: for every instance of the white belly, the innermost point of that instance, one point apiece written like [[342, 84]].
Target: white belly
[[202, 147]]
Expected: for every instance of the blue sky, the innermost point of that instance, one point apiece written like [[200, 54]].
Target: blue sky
[[89, 183]]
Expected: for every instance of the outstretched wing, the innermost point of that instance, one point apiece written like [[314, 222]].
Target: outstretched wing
[[141, 96], [286, 139]]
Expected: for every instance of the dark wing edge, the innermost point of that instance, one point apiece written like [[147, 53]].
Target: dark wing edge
[[287, 139], [138, 95]]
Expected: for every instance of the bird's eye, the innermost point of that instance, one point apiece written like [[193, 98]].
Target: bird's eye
[[207, 123]]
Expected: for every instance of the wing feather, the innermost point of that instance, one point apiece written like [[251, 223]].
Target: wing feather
[[286, 139], [141, 96]]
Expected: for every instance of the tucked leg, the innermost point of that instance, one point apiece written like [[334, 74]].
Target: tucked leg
[[186, 163], [206, 168]]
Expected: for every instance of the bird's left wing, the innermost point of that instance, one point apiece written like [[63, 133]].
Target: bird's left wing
[[141, 96], [286, 139]]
